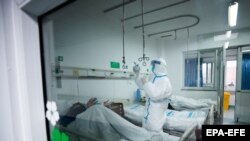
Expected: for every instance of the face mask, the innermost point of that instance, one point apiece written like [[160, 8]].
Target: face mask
[[153, 68], [153, 63]]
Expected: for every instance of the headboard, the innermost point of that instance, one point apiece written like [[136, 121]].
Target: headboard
[[117, 108], [64, 101]]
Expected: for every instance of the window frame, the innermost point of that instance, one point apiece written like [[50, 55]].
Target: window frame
[[214, 70], [239, 70], [190, 53]]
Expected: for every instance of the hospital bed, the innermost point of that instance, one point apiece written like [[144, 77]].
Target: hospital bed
[[180, 103], [177, 122], [183, 103], [79, 135]]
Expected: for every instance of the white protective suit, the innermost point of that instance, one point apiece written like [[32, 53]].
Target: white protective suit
[[157, 91]]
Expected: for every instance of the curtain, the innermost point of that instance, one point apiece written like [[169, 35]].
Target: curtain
[[201, 74], [191, 69], [245, 81]]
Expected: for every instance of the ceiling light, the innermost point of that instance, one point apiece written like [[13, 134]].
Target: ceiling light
[[245, 50], [228, 34], [226, 44], [232, 14], [223, 37]]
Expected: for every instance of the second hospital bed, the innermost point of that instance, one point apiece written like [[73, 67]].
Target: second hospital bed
[[177, 122]]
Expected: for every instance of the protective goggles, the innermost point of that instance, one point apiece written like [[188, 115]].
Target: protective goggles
[[153, 62]]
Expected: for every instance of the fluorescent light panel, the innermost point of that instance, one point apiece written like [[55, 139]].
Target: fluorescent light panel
[[245, 50], [224, 37], [226, 44], [228, 34], [232, 14]]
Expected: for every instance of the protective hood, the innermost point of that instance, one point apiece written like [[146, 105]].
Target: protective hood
[[159, 67]]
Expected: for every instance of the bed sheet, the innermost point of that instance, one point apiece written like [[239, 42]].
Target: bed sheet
[[175, 120], [103, 123], [183, 103]]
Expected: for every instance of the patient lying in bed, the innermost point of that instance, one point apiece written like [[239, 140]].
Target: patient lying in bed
[[74, 110], [103, 123]]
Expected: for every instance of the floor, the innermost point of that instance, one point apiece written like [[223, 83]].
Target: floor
[[228, 117]]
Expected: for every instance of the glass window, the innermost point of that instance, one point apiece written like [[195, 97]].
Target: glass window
[[207, 73], [204, 72], [199, 69]]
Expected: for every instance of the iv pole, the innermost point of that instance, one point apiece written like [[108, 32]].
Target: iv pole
[[143, 58], [124, 66]]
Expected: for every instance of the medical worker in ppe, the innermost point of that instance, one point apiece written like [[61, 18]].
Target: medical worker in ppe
[[157, 90]]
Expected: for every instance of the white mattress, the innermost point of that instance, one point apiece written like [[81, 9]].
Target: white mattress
[[182, 103], [175, 120]]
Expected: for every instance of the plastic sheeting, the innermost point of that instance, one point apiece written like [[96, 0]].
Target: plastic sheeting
[[183, 103], [175, 120], [101, 122], [182, 120]]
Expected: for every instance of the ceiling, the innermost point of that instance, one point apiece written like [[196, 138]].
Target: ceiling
[[212, 14]]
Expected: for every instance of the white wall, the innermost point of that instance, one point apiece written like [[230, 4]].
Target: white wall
[[173, 52], [99, 54], [87, 37], [242, 112], [6, 130], [86, 41]]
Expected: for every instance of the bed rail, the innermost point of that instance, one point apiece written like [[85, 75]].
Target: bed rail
[[117, 108], [211, 115], [189, 134]]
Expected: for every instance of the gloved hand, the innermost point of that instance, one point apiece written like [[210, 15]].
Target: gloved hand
[[136, 69]]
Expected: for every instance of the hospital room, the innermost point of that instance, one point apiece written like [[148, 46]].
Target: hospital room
[[143, 70], [102, 61]]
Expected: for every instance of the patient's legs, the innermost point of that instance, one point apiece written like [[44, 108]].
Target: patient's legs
[[102, 122]]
